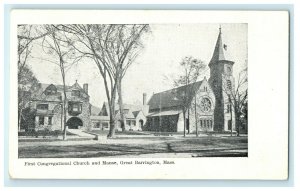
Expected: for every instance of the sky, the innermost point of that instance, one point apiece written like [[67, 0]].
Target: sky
[[158, 63]]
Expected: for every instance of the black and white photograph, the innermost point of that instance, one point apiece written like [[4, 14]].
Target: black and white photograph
[[132, 90], [148, 94]]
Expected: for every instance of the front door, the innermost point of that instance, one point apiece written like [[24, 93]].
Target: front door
[[229, 124]]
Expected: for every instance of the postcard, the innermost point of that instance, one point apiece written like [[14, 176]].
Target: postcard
[[148, 94]]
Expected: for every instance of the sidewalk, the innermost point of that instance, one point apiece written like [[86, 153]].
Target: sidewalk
[[80, 133]]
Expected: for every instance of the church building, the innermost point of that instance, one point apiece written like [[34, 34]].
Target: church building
[[209, 103]]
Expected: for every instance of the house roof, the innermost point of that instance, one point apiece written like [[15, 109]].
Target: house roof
[[40, 95], [135, 113], [95, 110], [171, 98], [130, 110], [130, 107]]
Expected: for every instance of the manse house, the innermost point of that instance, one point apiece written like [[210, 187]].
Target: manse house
[[47, 111]]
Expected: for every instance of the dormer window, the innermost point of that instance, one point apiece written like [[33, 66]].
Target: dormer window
[[76, 93], [42, 106], [50, 90]]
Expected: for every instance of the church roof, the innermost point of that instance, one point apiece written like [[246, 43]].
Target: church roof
[[219, 50], [169, 98]]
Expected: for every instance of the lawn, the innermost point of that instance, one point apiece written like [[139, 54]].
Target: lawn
[[139, 146]]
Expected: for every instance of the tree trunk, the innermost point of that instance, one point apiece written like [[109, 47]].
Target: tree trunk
[[112, 116], [196, 123], [19, 119], [65, 99], [112, 127], [231, 119], [237, 122], [65, 117], [188, 122], [122, 116], [184, 123]]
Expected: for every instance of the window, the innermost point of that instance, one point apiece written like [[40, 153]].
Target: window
[[133, 122], [229, 85], [128, 122], [229, 124], [76, 93], [228, 108], [42, 106], [41, 120], [50, 120], [228, 70], [97, 125], [210, 123], [205, 105], [105, 125], [75, 107], [207, 122], [204, 123], [201, 123]]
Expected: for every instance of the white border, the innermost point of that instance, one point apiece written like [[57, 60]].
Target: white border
[[268, 99]]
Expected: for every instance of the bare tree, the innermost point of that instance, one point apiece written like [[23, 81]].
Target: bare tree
[[27, 84], [237, 96], [125, 49], [113, 48], [27, 34], [191, 68], [61, 54]]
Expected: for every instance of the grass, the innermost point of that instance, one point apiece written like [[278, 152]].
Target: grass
[[138, 147], [105, 132], [42, 133]]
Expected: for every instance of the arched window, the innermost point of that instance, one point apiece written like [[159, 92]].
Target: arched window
[[229, 85]]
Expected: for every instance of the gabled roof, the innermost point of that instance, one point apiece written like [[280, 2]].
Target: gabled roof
[[171, 98], [95, 110], [130, 110], [39, 94], [135, 113]]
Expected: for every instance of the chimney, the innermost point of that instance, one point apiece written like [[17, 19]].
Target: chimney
[[144, 99], [86, 88]]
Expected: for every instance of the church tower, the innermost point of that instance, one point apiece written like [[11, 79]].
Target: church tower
[[222, 82]]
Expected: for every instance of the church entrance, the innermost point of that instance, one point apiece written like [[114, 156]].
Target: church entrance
[[141, 124], [74, 123], [229, 125]]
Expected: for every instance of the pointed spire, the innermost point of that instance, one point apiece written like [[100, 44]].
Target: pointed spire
[[218, 52]]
